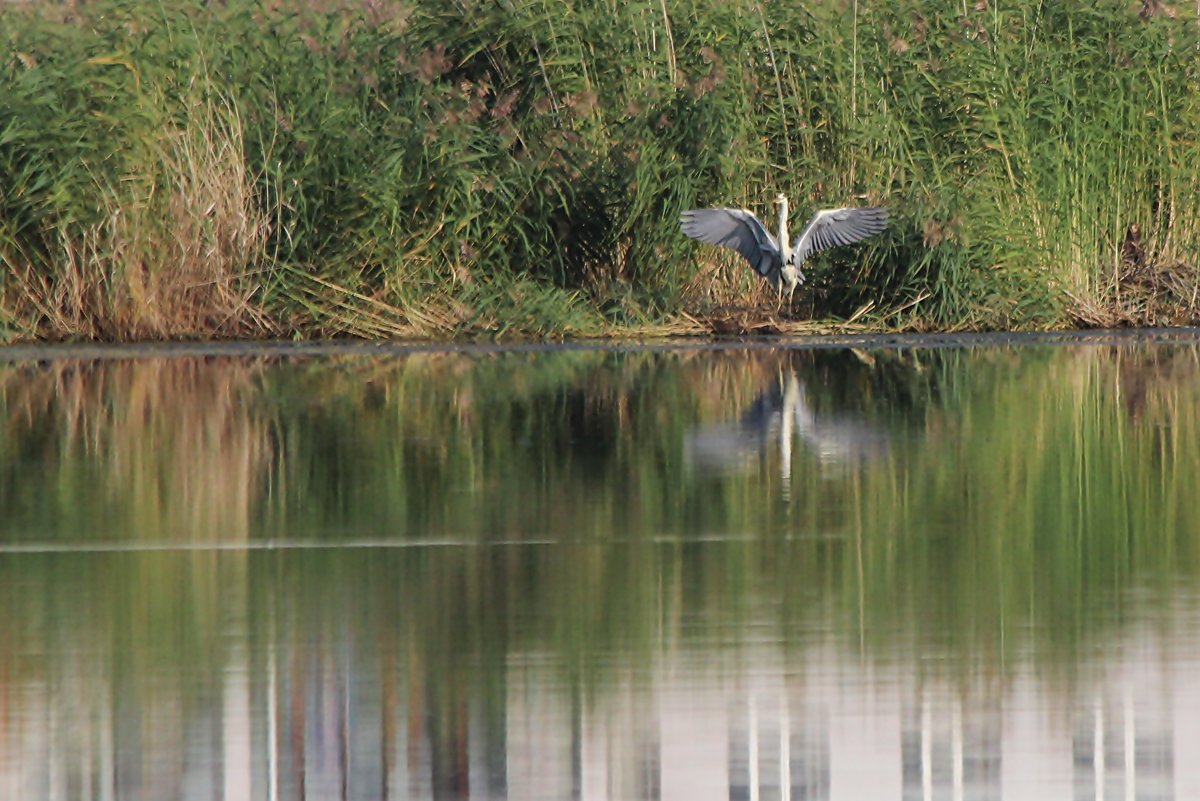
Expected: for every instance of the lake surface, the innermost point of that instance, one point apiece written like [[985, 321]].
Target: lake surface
[[731, 573]]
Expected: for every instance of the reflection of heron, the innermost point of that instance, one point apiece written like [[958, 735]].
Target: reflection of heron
[[730, 447], [782, 413], [776, 260], [835, 438]]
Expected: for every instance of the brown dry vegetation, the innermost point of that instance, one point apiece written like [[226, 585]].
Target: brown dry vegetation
[[172, 253]]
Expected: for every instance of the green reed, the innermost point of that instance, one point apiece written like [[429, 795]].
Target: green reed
[[485, 168]]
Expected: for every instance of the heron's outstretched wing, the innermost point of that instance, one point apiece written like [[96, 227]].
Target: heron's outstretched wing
[[737, 229], [832, 227]]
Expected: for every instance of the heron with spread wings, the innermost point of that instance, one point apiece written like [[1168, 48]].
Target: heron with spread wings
[[775, 259]]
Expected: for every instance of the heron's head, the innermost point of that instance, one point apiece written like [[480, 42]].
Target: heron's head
[[781, 198]]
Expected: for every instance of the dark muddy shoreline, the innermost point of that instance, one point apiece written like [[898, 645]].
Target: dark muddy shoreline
[[158, 350]]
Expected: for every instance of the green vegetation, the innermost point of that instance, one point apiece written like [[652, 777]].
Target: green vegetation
[[486, 168]]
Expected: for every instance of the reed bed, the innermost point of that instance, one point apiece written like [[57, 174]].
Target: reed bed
[[480, 168]]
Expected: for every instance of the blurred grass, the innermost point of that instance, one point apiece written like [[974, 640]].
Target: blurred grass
[[388, 169]]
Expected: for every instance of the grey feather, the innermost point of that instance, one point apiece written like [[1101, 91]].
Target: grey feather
[[833, 227], [739, 230]]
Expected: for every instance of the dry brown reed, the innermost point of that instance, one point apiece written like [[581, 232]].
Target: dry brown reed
[[176, 252]]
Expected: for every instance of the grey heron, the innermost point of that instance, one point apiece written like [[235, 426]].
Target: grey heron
[[775, 259]]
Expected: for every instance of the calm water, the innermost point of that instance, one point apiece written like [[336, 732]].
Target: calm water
[[949, 573]]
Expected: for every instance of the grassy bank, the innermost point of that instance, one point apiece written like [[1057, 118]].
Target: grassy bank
[[382, 169]]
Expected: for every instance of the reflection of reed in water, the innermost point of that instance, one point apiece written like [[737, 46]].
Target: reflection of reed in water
[[163, 449], [414, 662], [1126, 734]]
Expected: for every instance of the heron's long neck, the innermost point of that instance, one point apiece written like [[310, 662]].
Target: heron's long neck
[[784, 246]]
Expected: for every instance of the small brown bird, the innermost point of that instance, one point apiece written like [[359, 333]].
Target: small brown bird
[[1133, 254], [1152, 8]]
